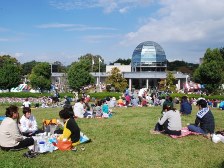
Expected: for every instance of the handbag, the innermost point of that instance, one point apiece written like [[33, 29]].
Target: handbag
[[64, 145]]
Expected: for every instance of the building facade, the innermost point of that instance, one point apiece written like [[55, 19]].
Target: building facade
[[147, 69]]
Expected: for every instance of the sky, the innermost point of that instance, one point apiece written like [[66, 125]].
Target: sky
[[64, 30]]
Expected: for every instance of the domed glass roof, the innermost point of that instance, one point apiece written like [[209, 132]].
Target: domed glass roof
[[148, 54]]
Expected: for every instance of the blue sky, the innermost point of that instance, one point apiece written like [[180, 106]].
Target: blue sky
[[64, 30]]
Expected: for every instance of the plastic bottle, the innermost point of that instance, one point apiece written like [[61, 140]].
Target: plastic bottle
[[42, 147]]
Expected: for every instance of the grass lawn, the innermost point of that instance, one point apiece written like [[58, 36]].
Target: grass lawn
[[124, 141]]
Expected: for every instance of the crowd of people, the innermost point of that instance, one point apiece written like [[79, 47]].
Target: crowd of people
[[16, 133]]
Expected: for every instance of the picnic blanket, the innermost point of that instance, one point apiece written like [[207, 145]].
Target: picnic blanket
[[2, 118], [84, 138], [184, 132]]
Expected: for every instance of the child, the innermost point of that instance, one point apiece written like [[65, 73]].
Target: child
[[28, 123], [105, 109]]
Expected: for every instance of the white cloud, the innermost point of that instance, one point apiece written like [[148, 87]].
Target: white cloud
[[19, 54], [185, 24], [2, 29], [4, 39], [108, 6], [56, 25], [98, 38]]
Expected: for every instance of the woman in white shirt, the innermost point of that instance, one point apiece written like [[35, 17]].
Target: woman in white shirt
[[170, 122], [79, 108], [28, 123], [10, 136]]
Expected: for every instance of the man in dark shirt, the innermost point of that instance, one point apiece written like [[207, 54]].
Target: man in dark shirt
[[204, 122]]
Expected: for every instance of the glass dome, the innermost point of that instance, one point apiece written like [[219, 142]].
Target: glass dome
[[148, 56]]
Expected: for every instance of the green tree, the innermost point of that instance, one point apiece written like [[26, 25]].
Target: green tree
[[28, 66], [210, 72], [40, 77], [10, 72], [57, 66], [182, 66], [122, 61], [79, 76], [168, 83], [116, 80], [93, 62]]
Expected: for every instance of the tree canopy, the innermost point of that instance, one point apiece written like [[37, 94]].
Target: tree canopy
[[210, 72], [10, 72], [168, 83], [182, 66], [79, 76], [116, 80], [40, 77], [122, 61], [93, 62], [28, 66]]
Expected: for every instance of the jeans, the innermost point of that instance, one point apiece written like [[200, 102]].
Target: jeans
[[197, 129]]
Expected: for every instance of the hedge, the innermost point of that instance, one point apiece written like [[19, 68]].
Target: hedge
[[218, 97]]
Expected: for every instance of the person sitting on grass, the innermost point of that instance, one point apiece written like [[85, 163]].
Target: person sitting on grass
[[105, 109], [28, 123], [10, 136], [204, 122], [168, 102], [170, 122], [97, 109], [120, 102], [185, 106], [79, 108], [71, 130]]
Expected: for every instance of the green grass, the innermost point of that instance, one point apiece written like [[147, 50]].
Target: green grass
[[124, 141]]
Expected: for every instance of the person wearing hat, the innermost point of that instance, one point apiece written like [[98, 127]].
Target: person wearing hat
[[204, 122]]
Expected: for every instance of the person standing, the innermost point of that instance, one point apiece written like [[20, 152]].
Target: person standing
[[10, 136], [26, 103]]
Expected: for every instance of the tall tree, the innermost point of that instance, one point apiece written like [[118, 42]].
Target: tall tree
[[40, 77], [28, 66], [168, 83], [210, 72], [78, 75], [93, 62], [10, 72], [116, 80]]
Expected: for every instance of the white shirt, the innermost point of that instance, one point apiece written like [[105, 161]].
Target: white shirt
[[25, 122], [26, 104], [79, 110]]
